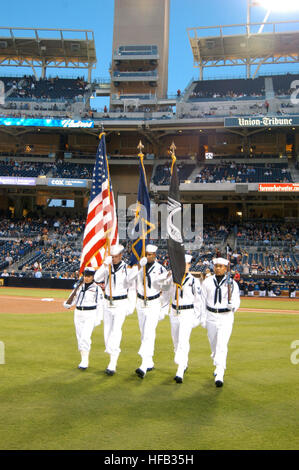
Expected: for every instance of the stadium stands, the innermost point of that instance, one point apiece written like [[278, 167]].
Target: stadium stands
[[162, 173], [53, 247], [34, 169], [226, 171], [27, 87], [23, 169], [228, 89], [243, 173]]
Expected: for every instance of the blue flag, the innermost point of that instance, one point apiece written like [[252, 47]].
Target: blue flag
[[142, 224]]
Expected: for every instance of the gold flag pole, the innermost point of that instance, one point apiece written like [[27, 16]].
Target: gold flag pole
[[173, 157], [141, 155]]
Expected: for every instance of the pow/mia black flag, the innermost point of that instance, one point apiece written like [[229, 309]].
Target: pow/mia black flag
[[175, 243]]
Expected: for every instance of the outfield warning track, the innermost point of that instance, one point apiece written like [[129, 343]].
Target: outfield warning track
[[35, 305]]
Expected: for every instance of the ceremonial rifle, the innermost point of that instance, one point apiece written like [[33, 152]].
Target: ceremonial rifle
[[74, 292]]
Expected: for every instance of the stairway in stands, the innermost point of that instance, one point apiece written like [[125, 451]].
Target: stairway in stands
[[270, 95]]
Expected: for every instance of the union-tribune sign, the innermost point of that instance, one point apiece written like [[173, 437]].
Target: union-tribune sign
[[262, 121]]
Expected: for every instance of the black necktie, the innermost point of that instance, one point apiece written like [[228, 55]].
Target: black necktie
[[186, 279], [217, 292], [115, 269], [149, 268]]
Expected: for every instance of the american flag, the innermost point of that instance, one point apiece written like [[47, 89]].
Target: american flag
[[101, 223]]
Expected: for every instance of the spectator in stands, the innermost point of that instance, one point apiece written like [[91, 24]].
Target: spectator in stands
[[254, 267], [207, 273], [5, 273], [234, 258], [9, 259], [273, 271], [260, 268]]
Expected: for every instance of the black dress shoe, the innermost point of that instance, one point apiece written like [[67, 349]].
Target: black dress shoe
[[140, 373], [82, 368], [149, 369], [110, 372], [178, 379], [219, 383]]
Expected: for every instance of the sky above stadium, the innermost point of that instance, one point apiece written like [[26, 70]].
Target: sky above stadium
[[98, 16]]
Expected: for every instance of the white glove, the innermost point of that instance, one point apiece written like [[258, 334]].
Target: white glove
[[143, 261], [66, 305], [108, 260]]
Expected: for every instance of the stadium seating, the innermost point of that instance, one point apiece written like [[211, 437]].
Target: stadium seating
[[34, 169], [22, 169], [73, 170], [27, 87], [243, 173], [228, 89], [54, 245], [12, 251], [282, 83], [162, 173]]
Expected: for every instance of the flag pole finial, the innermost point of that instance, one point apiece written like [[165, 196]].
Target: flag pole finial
[[140, 147], [172, 153], [173, 148], [102, 131]]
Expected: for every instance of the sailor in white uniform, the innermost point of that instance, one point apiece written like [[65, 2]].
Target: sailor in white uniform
[[185, 314], [88, 313], [221, 299], [149, 306], [116, 276]]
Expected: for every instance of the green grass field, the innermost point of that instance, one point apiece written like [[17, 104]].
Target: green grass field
[[47, 403]]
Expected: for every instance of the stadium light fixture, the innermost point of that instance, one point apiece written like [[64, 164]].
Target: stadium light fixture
[[270, 6], [278, 5]]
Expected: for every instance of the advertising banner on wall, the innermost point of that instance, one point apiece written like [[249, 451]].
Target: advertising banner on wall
[[70, 183], [66, 123], [262, 121], [19, 181], [278, 187]]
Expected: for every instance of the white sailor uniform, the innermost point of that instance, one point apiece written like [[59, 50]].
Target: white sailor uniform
[[219, 318], [149, 310], [116, 310], [185, 314], [88, 314]]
